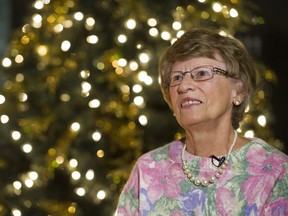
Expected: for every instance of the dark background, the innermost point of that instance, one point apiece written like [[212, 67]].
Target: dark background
[[272, 52], [274, 36]]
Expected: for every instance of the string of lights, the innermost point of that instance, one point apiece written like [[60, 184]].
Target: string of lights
[[80, 93]]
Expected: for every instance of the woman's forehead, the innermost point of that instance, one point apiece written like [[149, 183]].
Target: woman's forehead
[[198, 61]]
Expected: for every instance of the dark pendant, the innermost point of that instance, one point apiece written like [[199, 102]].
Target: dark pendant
[[217, 161]]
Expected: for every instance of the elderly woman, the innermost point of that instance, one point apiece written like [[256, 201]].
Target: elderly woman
[[207, 80]]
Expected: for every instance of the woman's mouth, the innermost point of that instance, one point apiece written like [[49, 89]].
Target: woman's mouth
[[190, 102]]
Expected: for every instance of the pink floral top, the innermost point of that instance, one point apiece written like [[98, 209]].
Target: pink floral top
[[255, 182]]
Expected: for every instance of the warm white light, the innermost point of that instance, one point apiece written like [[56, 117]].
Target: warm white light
[[29, 183], [122, 38], [94, 103], [101, 195], [153, 32], [19, 59], [122, 62], [76, 175], [217, 7], [142, 75], [139, 100], [90, 21], [75, 126], [152, 22], [6, 62], [133, 65], [249, 134], [131, 24], [58, 28], [100, 153], [100, 65], [27, 148], [180, 33], [33, 175], [137, 88], [247, 109], [42, 50], [86, 87], [143, 120], [73, 163], [17, 185], [262, 120], [80, 191], [4, 119], [176, 25], [78, 16], [16, 135], [16, 212], [144, 57], [60, 159], [223, 33], [37, 21], [148, 80], [67, 23], [38, 5], [23, 97], [92, 39], [90, 174], [19, 77], [85, 74], [65, 46], [96, 136], [233, 13], [2, 99], [37, 18], [125, 89], [65, 97], [165, 35]]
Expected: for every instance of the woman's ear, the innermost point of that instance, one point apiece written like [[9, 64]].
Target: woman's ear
[[239, 93]]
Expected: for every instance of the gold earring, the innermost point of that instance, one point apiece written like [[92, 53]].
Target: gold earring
[[236, 102]]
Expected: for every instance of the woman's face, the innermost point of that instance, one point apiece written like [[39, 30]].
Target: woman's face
[[205, 103]]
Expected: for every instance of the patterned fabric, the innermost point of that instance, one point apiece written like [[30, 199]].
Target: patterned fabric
[[255, 182]]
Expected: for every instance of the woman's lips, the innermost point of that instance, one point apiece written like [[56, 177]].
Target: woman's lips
[[187, 102]]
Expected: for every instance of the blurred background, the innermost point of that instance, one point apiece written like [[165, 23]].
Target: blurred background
[[80, 100], [274, 36]]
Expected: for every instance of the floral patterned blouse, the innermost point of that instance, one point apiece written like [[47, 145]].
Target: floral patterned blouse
[[255, 182]]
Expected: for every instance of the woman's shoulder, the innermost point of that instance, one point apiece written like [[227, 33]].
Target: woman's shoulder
[[258, 157], [169, 151], [259, 148], [259, 143]]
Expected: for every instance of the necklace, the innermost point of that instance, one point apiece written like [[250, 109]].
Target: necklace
[[217, 174]]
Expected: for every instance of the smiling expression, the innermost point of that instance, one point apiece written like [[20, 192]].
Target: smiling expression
[[206, 103]]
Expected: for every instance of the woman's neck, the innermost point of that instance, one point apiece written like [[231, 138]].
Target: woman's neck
[[205, 144]]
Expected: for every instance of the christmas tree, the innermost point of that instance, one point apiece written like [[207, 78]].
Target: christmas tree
[[80, 99]]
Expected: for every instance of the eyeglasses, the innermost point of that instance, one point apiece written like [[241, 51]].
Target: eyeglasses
[[198, 74]]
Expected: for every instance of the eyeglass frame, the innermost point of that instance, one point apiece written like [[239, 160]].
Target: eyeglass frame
[[215, 70]]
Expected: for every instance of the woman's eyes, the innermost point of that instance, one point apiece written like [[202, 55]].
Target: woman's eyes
[[202, 73], [177, 77]]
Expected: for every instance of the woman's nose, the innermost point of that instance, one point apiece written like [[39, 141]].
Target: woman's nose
[[186, 83]]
